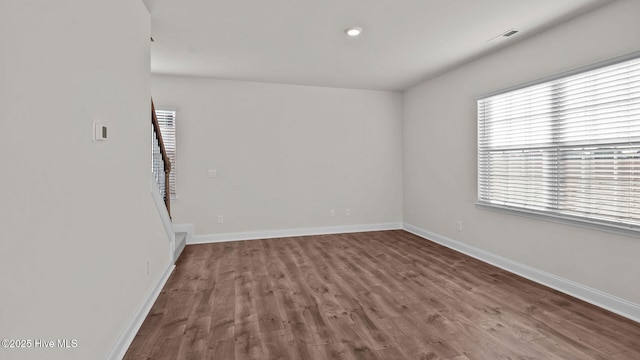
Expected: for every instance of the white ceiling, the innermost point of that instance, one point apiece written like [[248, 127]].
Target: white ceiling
[[302, 41]]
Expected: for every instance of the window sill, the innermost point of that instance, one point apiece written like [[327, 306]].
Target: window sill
[[565, 220]]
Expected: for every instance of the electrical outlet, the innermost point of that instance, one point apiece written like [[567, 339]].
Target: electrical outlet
[[347, 212], [212, 173], [220, 219], [146, 268], [459, 225], [333, 212]]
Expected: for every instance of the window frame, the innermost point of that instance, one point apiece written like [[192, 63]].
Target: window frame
[[556, 217]]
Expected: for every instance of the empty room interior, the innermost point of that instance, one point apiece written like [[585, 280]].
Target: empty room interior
[[286, 179]]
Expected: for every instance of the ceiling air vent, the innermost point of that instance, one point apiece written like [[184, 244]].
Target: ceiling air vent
[[503, 36]]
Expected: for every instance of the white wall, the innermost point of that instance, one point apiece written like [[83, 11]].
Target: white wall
[[285, 155], [77, 218], [440, 155]]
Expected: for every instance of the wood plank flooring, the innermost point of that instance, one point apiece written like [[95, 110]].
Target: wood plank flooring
[[375, 295]]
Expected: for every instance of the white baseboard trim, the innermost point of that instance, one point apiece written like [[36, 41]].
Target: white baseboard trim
[[185, 228], [126, 338], [596, 297], [268, 234]]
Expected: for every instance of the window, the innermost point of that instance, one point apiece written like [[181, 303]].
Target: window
[[568, 147], [167, 122]]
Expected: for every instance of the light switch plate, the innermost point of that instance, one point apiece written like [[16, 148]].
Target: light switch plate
[[99, 131]]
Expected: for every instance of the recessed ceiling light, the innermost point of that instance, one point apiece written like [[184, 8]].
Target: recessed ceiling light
[[353, 31]]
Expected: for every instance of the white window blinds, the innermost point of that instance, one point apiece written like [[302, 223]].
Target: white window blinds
[[167, 122], [569, 147]]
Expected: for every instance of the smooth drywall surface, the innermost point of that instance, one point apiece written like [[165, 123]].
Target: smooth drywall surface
[[78, 220], [284, 155], [440, 155]]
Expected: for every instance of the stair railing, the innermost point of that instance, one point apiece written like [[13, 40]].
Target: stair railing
[[160, 160]]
